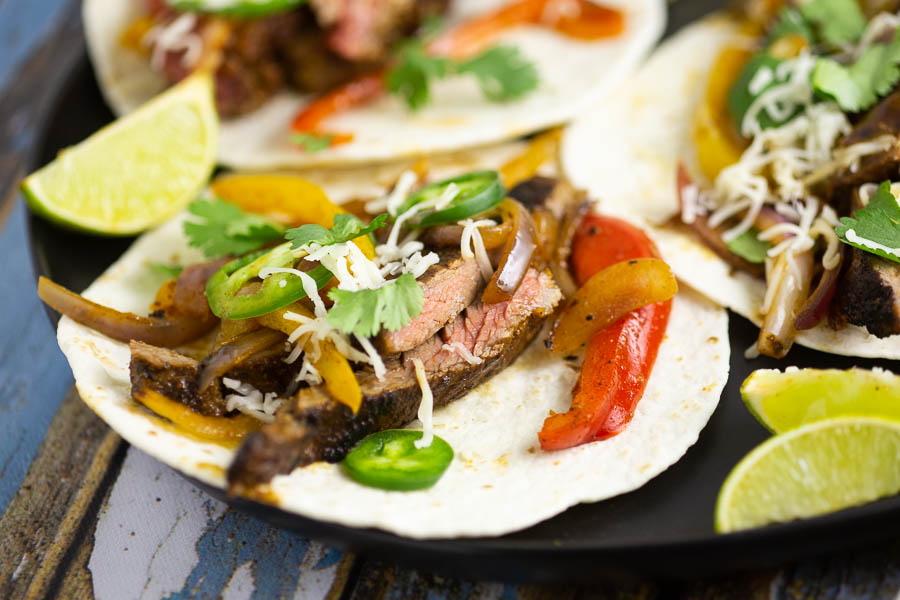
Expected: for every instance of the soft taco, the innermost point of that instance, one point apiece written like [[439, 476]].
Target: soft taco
[[760, 147], [305, 85], [264, 401]]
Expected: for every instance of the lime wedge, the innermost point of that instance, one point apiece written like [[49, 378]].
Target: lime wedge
[[784, 401], [136, 172], [812, 470]]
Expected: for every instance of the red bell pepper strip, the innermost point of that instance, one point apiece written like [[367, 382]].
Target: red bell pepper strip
[[619, 358]]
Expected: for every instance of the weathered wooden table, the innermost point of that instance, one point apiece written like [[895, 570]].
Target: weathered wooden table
[[84, 514]]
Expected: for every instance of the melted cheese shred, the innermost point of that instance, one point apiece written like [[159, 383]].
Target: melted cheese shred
[[471, 239], [426, 407], [177, 36], [460, 350]]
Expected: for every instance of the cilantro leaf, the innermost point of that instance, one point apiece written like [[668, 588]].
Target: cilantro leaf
[[366, 312], [878, 222], [346, 227], [311, 142], [837, 21], [169, 271], [224, 229], [858, 86], [410, 77], [749, 247], [740, 98], [791, 22], [503, 72]]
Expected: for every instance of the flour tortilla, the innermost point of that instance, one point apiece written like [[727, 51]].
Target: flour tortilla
[[573, 74], [489, 488], [646, 131]]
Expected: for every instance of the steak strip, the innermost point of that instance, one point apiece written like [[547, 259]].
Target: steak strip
[[312, 426], [448, 287]]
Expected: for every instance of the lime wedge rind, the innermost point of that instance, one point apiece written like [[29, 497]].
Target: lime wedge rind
[[136, 172], [812, 470], [782, 401]]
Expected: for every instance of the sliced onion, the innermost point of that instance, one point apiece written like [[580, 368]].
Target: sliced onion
[[815, 307], [559, 262], [236, 351], [516, 256], [450, 236], [190, 288], [123, 326], [776, 336], [711, 237]]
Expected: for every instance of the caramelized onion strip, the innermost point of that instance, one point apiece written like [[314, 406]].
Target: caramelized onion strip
[[123, 326]]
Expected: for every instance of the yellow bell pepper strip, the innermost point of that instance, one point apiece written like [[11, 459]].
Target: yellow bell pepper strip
[[717, 140], [217, 429], [332, 366], [541, 149], [609, 295], [287, 199]]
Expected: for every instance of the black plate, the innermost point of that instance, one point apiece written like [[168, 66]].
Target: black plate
[[663, 529]]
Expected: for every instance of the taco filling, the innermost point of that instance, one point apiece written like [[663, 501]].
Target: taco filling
[[311, 47], [798, 135], [298, 339]]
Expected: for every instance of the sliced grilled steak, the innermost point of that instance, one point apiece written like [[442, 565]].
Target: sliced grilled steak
[[175, 375], [313, 426], [869, 293], [448, 287], [882, 119]]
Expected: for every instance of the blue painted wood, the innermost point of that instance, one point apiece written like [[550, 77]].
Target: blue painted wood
[[23, 24], [34, 376]]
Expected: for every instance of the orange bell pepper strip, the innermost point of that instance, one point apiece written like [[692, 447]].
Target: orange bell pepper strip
[[619, 359], [287, 199], [609, 295], [344, 97], [715, 136], [542, 148], [332, 366], [226, 430]]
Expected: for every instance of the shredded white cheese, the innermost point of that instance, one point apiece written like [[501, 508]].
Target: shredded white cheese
[[250, 401], [309, 285], [471, 238], [374, 358], [426, 407], [459, 349], [173, 37]]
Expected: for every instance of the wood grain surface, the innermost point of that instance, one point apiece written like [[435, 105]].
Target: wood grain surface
[[92, 518]]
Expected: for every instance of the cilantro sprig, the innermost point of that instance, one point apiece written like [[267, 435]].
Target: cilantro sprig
[[222, 229], [858, 86], [878, 222], [829, 27], [366, 312], [312, 142], [502, 71], [749, 247], [346, 227], [836, 21]]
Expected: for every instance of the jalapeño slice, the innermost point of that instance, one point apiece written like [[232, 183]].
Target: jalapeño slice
[[223, 287], [479, 191], [389, 460], [236, 8]]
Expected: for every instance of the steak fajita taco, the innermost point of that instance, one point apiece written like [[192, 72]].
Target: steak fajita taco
[[478, 336], [313, 83], [766, 170]]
